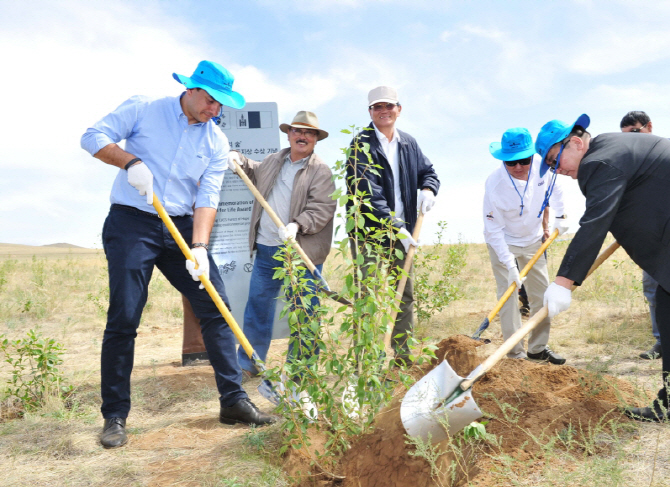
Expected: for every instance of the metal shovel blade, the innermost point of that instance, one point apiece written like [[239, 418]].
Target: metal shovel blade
[[422, 410]]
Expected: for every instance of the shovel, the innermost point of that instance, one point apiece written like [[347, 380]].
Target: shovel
[[267, 389], [403, 282], [487, 321], [277, 221], [441, 403]]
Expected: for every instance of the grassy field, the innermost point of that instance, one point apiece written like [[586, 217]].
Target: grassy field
[[62, 292]]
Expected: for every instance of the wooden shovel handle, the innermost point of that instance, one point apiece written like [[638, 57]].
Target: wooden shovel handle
[[522, 274], [530, 325], [403, 281], [273, 216]]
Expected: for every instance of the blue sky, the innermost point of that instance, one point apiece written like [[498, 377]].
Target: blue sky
[[465, 72]]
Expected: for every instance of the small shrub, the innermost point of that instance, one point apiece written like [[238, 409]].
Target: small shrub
[[35, 376]]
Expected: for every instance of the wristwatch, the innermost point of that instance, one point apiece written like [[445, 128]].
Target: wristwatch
[[200, 244]]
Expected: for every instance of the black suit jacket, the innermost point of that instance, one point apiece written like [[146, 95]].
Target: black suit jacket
[[625, 178]]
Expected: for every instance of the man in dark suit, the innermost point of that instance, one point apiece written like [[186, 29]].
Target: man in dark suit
[[625, 179]]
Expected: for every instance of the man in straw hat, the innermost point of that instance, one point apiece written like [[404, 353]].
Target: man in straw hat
[[298, 186], [173, 150], [406, 182], [624, 177], [514, 205]]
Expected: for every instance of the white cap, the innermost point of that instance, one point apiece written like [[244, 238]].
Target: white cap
[[382, 94]]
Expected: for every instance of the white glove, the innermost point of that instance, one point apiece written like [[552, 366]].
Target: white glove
[[233, 157], [288, 232], [406, 239], [557, 299], [426, 200], [200, 255], [513, 276], [561, 224], [140, 178]]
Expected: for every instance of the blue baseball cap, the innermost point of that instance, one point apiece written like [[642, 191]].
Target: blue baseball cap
[[215, 80], [516, 144], [552, 133]]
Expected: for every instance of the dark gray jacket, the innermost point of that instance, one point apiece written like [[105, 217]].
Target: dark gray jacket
[[625, 178], [416, 172]]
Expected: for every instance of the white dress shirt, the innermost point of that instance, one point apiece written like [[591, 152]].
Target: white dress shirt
[[390, 148]]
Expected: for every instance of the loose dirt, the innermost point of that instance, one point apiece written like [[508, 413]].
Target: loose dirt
[[527, 405]]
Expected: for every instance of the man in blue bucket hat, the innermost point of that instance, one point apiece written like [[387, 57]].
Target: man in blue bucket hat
[[174, 150], [514, 205], [624, 178]]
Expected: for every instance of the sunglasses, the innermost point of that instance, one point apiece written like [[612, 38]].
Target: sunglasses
[[381, 106], [553, 165], [638, 130], [523, 162]]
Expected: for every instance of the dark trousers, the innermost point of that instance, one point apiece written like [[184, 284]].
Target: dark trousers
[[259, 313], [663, 323], [135, 242], [404, 323]]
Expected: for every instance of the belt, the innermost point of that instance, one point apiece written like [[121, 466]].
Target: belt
[[132, 209]]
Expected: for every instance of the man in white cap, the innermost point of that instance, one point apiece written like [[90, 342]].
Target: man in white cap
[[297, 185], [624, 177], [174, 150], [514, 204], [406, 182]]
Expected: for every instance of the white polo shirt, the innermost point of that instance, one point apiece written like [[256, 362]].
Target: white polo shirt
[[503, 225]]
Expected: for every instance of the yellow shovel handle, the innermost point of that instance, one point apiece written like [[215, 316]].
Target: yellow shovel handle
[[522, 274], [225, 312]]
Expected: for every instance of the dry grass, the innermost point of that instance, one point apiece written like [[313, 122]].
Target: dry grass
[[175, 436]]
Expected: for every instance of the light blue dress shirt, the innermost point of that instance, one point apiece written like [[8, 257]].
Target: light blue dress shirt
[[179, 155]]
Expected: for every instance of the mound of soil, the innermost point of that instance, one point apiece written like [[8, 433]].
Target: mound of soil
[[526, 404]]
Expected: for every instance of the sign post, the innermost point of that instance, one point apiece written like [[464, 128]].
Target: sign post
[[254, 132]]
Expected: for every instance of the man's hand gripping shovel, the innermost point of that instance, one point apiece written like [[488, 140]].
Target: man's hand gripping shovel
[[267, 389], [512, 287], [441, 403]]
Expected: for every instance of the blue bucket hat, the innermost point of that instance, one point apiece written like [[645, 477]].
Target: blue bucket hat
[[552, 133], [516, 144], [215, 80]]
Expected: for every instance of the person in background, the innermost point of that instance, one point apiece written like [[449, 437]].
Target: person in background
[[515, 200], [639, 122], [175, 151]]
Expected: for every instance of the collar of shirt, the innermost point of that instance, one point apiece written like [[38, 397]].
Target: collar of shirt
[[300, 161], [382, 138]]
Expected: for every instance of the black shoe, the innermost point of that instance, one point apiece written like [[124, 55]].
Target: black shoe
[[197, 358], [114, 433], [245, 412], [656, 413], [524, 309], [654, 353], [546, 355]]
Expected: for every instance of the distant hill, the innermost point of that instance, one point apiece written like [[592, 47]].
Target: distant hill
[[55, 250], [63, 246]]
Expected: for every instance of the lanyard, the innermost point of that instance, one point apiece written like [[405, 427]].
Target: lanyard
[[521, 197]]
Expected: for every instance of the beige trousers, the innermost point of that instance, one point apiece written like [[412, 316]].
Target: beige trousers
[[536, 284]]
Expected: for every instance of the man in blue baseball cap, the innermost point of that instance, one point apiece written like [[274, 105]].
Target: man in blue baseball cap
[[174, 150], [514, 205], [624, 178]]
